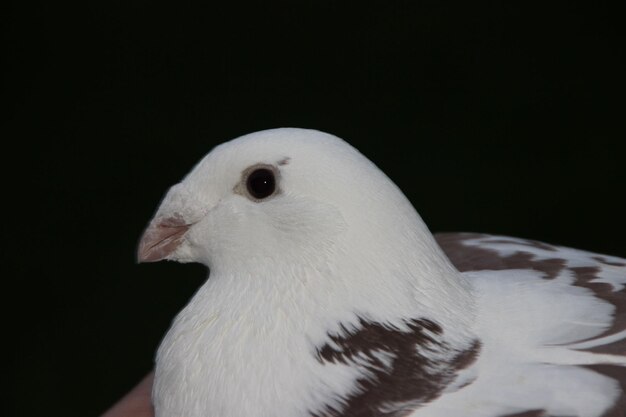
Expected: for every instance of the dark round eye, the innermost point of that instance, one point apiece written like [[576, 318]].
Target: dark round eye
[[261, 183]]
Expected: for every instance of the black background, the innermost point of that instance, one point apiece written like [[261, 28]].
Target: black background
[[492, 117]]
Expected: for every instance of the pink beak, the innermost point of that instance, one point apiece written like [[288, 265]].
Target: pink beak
[[161, 238]]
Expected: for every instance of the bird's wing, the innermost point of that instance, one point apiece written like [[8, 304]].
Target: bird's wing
[[604, 276], [552, 321]]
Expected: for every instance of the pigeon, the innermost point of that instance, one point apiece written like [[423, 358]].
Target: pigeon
[[328, 296]]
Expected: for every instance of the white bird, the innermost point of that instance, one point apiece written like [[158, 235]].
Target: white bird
[[328, 296]]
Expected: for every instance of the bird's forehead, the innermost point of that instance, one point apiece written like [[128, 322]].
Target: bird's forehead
[[279, 147]]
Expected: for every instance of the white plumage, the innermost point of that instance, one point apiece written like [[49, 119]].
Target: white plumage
[[328, 296]]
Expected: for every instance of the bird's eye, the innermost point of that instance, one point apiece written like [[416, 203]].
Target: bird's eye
[[261, 183]]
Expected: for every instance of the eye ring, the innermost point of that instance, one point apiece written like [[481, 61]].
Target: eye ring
[[260, 182]]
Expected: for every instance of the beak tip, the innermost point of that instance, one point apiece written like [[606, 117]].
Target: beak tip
[[143, 254], [142, 257], [160, 240]]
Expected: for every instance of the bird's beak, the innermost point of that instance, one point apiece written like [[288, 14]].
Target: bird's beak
[[162, 237]]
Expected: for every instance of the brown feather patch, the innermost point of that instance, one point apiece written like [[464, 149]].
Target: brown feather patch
[[407, 379], [474, 258]]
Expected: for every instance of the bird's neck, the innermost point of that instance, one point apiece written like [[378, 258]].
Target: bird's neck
[[340, 292]]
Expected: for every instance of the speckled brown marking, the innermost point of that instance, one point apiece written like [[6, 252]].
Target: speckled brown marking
[[284, 161], [473, 258], [584, 276], [530, 413], [617, 373], [408, 381], [525, 242], [605, 261]]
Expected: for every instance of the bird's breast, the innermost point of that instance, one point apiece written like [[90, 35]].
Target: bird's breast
[[247, 364]]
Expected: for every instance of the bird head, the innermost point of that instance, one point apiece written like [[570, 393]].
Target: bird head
[[286, 197]]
